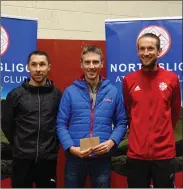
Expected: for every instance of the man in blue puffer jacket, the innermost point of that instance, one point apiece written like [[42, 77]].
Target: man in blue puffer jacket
[[88, 108]]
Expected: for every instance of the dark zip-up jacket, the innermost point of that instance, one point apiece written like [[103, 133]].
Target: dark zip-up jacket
[[29, 121]]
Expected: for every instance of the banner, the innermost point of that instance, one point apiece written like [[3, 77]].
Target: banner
[[121, 39], [18, 39], [122, 58]]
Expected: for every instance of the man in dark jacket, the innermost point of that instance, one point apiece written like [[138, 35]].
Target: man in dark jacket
[[29, 123]]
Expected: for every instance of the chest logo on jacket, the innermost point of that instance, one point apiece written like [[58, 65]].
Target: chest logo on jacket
[[107, 100], [163, 86], [137, 88]]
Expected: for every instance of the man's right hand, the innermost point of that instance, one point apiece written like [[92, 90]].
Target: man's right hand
[[77, 152]]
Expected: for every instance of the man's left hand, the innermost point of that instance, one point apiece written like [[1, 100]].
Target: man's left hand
[[103, 147]]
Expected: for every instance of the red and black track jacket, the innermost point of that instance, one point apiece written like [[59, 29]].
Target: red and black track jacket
[[153, 103]]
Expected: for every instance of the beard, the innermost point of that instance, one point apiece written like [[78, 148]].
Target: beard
[[38, 79], [149, 66]]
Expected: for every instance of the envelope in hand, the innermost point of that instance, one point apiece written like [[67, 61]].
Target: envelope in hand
[[86, 143]]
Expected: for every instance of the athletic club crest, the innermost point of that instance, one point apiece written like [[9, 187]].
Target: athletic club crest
[[4, 40], [162, 33], [163, 86]]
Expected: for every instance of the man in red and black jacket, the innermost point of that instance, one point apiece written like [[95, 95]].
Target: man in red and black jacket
[[153, 101]]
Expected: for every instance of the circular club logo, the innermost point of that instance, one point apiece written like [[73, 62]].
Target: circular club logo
[[4, 40], [162, 33]]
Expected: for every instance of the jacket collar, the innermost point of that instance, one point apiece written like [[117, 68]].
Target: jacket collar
[[82, 78], [80, 82], [152, 72], [46, 88]]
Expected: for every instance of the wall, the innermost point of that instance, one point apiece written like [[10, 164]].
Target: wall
[[65, 59], [64, 27], [85, 19]]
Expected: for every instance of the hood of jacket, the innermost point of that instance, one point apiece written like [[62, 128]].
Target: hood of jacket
[[48, 87]]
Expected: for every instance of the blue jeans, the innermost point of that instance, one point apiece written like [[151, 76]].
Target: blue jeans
[[77, 169]]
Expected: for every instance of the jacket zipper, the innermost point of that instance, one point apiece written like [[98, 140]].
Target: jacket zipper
[[151, 128], [92, 121], [92, 115], [38, 127]]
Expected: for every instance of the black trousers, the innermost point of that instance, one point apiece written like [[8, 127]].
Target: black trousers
[[141, 172], [26, 172]]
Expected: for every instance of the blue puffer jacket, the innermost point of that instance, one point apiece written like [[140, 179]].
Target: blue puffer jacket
[[76, 119]]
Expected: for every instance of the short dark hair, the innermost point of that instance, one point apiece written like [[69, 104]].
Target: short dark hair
[[93, 49], [38, 52], [152, 36]]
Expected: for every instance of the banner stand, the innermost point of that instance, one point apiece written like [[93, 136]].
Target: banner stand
[[18, 40], [122, 58]]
